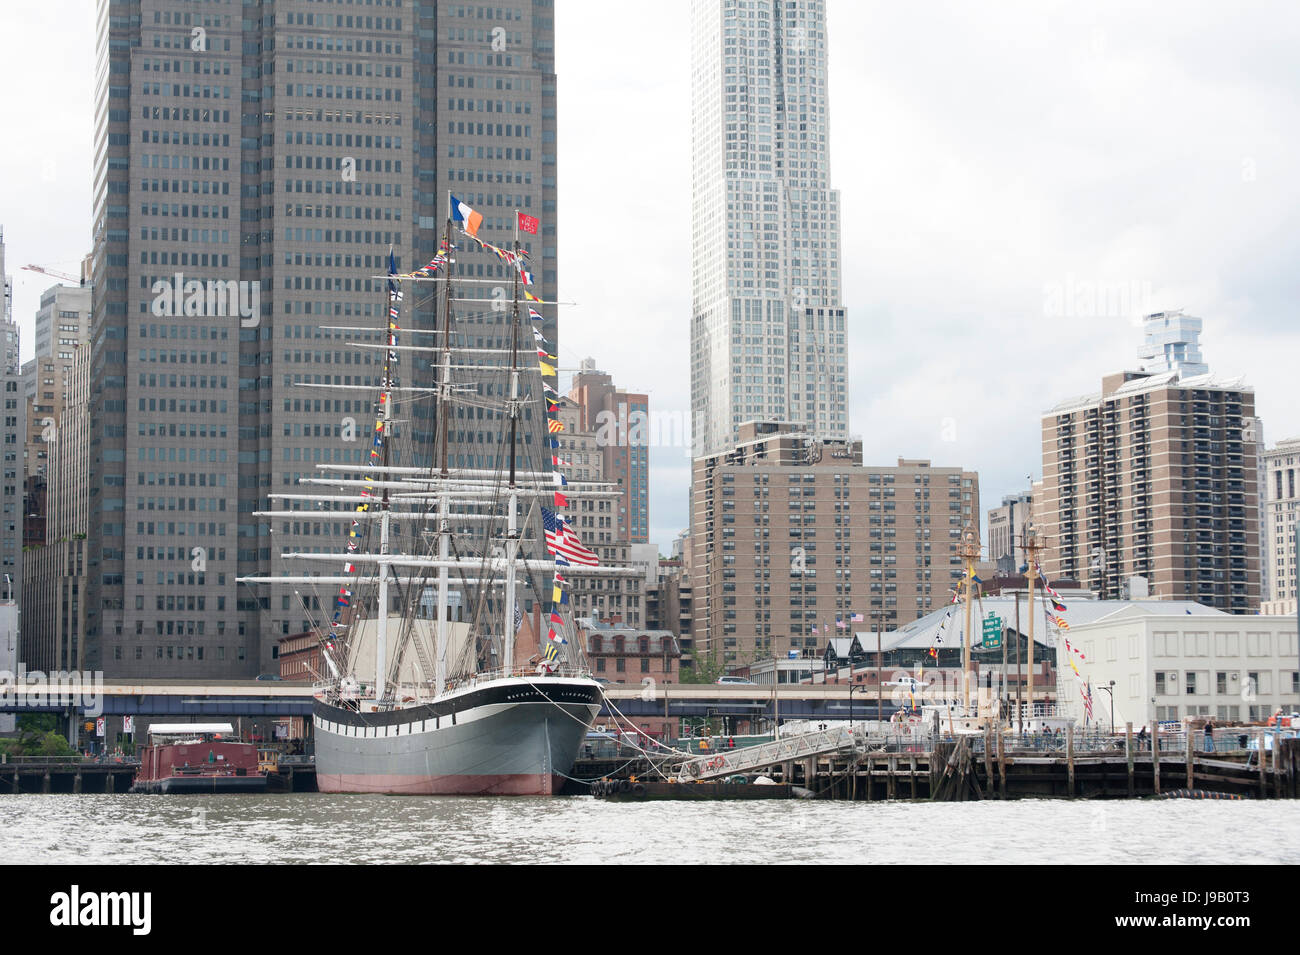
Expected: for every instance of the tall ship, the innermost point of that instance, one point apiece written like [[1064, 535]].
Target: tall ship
[[427, 686]]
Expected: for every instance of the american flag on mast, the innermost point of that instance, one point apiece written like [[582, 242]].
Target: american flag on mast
[[563, 541]]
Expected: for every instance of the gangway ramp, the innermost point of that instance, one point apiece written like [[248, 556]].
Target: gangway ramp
[[725, 762]]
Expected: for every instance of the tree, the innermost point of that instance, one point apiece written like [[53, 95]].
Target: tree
[[707, 669], [54, 744], [37, 722]]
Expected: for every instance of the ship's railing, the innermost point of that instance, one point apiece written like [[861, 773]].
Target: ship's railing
[[420, 693], [487, 676]]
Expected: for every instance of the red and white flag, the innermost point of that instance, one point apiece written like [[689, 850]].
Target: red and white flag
[[527, 224]]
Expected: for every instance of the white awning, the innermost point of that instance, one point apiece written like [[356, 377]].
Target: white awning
[[192, 729]]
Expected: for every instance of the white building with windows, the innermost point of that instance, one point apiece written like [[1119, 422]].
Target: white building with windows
[[768, 324], [1280, 502], [1169, 663], [1173, 343]]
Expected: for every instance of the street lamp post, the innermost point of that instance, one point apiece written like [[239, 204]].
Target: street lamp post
[[852, 688], [1110, 688]]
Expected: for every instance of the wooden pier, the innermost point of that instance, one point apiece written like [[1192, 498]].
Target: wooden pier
[[995, 767], [1003, 766]]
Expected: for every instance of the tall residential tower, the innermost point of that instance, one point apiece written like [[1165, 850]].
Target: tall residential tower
[[768, 324], [1156, 476]]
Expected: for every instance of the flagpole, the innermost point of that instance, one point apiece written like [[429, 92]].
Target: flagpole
[[1031, 555], [970, 550]]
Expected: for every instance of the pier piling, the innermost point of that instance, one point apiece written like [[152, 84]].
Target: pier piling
[[1155, 759], [1069, 760], [1128, 753]]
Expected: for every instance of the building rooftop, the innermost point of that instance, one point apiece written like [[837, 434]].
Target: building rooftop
[[1164, 379], [1080, 612]]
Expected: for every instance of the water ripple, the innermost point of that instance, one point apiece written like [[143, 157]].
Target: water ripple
[[316, 828]]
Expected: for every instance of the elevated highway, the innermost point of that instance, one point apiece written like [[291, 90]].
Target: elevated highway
[[259, 698]]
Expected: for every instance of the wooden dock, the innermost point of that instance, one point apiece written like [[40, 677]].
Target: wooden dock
[[994, 767], [1002, 766]]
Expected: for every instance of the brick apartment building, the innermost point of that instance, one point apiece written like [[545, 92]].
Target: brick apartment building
[[1156, 476], [790, 533]]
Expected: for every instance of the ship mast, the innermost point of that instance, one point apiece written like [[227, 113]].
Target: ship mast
[[1032, 547], [385, 406], [444, 519], [512, 521]]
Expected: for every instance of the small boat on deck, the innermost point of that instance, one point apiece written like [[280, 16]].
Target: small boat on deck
[[198, 758]]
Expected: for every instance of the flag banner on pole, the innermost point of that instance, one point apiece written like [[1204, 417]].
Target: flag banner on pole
[[563, 541], [461, 212], [527, 224]]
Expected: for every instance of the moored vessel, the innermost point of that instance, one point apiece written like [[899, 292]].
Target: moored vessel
[[424, 690], [198, 758]]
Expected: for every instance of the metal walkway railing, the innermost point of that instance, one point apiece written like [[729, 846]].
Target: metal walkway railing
[[725, 762]]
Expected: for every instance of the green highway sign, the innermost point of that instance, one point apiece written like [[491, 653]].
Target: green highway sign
[[992, 632]]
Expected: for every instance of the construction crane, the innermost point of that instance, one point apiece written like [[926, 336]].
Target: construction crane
[[54, 273]]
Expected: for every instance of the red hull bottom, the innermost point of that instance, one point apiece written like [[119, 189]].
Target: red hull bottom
[[519, 784]]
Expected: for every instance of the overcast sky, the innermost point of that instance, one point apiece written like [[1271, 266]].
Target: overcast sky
[[998, 163]]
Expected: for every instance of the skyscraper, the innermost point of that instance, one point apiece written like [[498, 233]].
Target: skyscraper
[[1006, 531], [621, 421], [13, 428], [62, 324], [768, 324], [271, 154]]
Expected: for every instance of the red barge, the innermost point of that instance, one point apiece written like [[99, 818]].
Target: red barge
[[198, 758]]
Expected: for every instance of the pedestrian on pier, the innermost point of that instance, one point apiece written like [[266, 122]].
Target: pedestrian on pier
[[1209, 736]]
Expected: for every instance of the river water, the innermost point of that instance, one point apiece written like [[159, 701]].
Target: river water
[[320, 828]]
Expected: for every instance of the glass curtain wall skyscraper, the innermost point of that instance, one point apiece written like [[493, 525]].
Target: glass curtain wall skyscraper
[[280, 148], [768, 324]]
